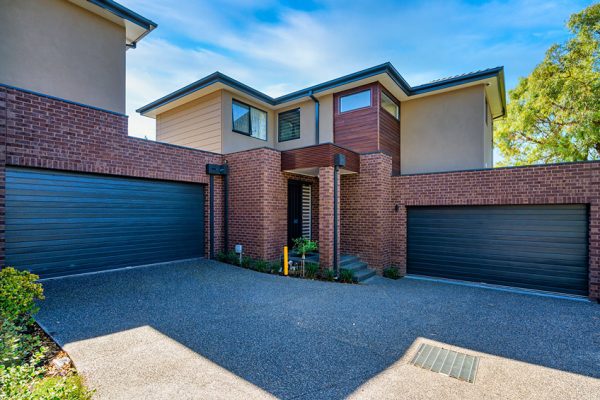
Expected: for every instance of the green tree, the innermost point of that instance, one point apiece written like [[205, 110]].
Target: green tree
[[554, 114]]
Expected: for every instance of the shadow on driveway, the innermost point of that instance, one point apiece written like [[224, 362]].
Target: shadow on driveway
[[293, 338]]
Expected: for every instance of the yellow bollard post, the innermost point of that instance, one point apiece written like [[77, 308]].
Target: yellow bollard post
[[285, 260]]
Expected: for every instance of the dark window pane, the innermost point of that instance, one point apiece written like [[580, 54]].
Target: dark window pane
[[289, 125], [356, 100], [241, 117]]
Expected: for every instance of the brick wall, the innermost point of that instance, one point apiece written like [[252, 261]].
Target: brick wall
[[366, 211], [326, 217], [42, 132], [577, 183], [258, 202]]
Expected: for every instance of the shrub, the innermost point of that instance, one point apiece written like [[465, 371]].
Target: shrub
[[16, 345], [275, 267], [229, 257], [261, 266], [328, 275], [311, 270], [63, 388], [18, 293], [246, 262], [391, 272], [346, 276], [303, 245]]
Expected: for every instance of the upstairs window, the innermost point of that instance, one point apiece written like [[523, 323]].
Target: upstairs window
[[248, 120], [355, 101], [389, 105], [289, 125]]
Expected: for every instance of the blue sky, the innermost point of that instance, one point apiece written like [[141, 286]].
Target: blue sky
[[278, 47]]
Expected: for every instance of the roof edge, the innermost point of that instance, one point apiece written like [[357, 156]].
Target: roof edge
[[125, 13], [387, 68]]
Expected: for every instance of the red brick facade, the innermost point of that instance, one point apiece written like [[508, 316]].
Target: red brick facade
[[258, 202], [326, 205], [577, 183], [366, 211], [41, 132]]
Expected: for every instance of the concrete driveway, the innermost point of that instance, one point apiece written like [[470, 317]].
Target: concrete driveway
[[210, 330]]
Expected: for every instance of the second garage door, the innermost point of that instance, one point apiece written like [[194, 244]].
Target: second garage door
[[539, 247], [61, 223]]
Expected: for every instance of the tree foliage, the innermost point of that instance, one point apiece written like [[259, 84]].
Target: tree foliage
[[554, 114]]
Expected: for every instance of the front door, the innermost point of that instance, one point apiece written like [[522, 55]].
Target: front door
[[294, 211]]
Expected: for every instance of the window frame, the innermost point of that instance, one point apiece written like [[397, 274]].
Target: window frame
[[396, 117], [299, 124], [249, 133], [352, 94]]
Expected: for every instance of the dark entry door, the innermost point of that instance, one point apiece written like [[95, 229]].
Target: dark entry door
[[294, 211], [532, 246]]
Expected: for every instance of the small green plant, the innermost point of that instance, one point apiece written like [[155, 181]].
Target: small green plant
[[303, 245], [328, 275], [261, 266], [391, 272], [18, 294], [16, 344], [275, 267], [229, 257], [346, 276], [246, 262], [311, 270]]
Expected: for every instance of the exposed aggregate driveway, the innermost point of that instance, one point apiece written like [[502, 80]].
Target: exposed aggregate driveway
[[211, 330]]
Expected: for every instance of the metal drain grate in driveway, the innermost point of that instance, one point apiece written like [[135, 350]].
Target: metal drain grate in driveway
[[447, 362]]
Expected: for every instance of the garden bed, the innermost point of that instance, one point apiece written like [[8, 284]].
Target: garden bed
[[32, 365], [311, 269]]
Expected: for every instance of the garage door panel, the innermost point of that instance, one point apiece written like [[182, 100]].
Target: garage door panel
[[552, 286], [59, 223], [504, 270], [501, 263], [501, 255], [534, 246]]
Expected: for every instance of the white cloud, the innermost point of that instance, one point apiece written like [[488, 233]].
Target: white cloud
[[279, 49]]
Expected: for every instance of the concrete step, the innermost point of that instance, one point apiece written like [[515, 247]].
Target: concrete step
[[363, 274], [355, 266], [346, 259]]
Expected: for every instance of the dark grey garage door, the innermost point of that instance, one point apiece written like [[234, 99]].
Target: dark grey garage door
[[62, 223], [537, 247]]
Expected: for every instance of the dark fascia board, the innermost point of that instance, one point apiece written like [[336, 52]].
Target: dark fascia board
[[125, 13], [386, 68], [216, 77]]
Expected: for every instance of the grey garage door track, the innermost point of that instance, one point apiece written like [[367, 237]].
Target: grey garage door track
[[210, 330]]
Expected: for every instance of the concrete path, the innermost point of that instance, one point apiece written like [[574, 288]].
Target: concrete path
[[210, 330]]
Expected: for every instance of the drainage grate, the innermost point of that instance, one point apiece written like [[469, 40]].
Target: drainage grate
[[447, 362]]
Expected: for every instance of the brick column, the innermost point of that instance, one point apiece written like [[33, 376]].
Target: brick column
[[326, 217], [368, 212], [3, 132]]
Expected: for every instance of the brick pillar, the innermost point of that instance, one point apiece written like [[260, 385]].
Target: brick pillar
[[368, 212], [3, 133], [326, 217], [257, 203]]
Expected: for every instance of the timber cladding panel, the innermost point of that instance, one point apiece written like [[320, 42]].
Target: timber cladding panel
[[43, 132], [196, 124], [577, 183], [368, 129], [321, 155], [357, 129], [389, 133]]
